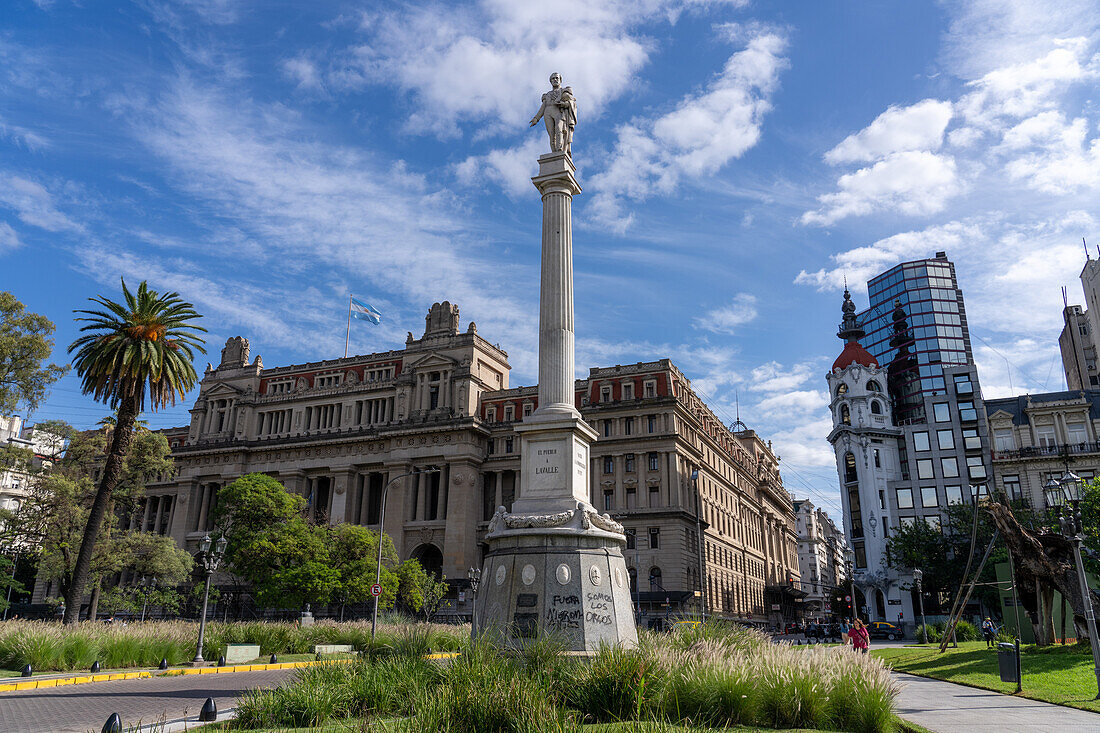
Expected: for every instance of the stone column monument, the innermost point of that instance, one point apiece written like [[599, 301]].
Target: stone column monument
[[555, 565]]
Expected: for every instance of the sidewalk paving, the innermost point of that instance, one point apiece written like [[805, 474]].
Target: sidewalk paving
[[949, 708], [82, 708]]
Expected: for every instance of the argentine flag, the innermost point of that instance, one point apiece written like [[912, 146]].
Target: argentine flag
[[365, 312]]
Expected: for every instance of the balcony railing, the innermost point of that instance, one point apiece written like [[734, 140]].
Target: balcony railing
[[1048, 451]]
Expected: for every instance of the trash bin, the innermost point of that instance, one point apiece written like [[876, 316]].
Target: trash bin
[[1006, 661]]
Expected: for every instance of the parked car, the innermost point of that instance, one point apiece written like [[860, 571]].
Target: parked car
[[822, 631], [793, 628], [884, 630]]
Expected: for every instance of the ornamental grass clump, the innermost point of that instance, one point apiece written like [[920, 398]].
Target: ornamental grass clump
[[617, 684]]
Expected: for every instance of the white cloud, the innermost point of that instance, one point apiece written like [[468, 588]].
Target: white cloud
[[701, 135], [1022, 89], [861, 263], [33, 204], [914, 183], [509, 168], [303, 72], [729, 318], [985, 35], [487, 64], [23, 136], [1060, 158], [9, 240], [898, 129]]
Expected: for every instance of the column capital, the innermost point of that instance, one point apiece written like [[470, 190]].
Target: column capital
[[556, 175]]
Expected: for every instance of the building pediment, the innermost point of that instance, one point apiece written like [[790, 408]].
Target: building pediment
[[432, 361], [222, 390], [1001, 415]]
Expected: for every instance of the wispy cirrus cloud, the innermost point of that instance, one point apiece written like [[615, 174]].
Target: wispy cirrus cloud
[[729, 318]]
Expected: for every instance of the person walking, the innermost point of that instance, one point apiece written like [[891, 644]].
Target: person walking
[[861, 638], [989, 631], [844, 629]]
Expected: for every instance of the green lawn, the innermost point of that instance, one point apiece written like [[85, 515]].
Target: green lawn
[[1061, 675]]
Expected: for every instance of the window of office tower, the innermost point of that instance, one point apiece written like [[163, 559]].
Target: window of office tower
[[928, 294]]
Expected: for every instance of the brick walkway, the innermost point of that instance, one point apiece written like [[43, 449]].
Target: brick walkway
[[82, 708]]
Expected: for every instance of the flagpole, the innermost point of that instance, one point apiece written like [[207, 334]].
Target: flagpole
[[347, 339]]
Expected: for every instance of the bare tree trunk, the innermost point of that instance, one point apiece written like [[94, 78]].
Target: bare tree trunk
[[112, 470], [1047, 561], [1046, 616]]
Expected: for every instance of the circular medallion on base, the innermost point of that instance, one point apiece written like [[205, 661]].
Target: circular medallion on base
[[618, 577], [563, 574], [594, 575], [500, 574], [528, 574]]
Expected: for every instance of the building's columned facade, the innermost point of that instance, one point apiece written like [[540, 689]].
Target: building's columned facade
[[336, 431], [1040, 436], [821, 558]]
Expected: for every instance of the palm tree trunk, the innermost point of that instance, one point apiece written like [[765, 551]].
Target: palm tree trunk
[[93, 605], [112, 471]]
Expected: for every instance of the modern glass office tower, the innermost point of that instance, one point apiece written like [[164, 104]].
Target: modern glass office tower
[[918, 340]]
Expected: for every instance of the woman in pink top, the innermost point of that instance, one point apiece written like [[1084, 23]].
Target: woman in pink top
[[861, 638]]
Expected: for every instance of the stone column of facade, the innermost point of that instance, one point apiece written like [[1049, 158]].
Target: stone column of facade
[[555, 565]]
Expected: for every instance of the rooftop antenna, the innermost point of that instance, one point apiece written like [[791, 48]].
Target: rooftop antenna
[[737, 426], [1065, 297], [1087, 247]]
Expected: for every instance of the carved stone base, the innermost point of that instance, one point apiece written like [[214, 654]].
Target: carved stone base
[[571, 585]]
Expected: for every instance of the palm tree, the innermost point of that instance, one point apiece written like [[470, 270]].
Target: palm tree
[[148, 340]]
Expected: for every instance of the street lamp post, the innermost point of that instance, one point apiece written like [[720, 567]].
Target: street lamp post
[[381, 533], [1058, 493], [700, 547], [211, 558], [849, 561], [145, 590], [918, 575], [474, 576]]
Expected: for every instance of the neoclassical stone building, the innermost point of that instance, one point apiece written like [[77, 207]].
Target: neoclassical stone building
[[337, 431]]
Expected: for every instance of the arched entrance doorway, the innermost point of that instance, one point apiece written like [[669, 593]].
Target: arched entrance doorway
[[430, 558]]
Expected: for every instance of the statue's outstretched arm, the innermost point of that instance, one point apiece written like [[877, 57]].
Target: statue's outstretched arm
[[536, 118]]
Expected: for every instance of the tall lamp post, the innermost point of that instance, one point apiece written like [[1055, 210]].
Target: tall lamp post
[[381, 533], [1058, 493], [918, 575], [849, 562], [474, 576], [701, 546], [211, 558]]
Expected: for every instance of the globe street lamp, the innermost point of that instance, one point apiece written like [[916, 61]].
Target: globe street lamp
[[210, 559], [918, 575], [381, 523], [1058, 493], [474, 576]]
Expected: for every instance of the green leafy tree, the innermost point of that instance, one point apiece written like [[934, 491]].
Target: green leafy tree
[[270, 545], [145, 344], [353, 553], [25, 344], [8, 583], [420, 591]]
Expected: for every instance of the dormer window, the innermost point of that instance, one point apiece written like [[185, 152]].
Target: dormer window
[[841, 389], [650, 388], [528, 408], [491, 414], [872, 386], [628, 390], [605, 393], [509, 413]]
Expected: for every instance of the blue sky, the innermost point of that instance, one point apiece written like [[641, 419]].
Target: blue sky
[[739, 159]]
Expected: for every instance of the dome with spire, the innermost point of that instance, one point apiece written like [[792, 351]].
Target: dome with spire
[[851, 332]]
